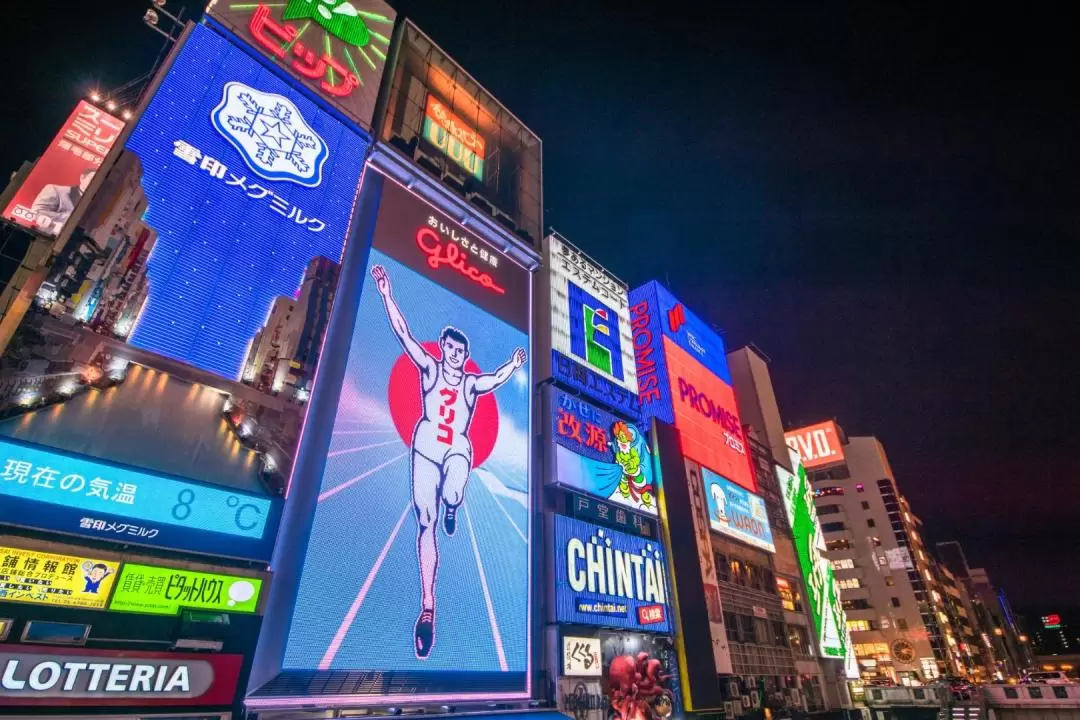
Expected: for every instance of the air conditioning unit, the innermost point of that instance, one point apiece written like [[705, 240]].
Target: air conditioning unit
[[730, 708], [751, 681], [755, 701], [746, 702], [794, 695], [733, 688]]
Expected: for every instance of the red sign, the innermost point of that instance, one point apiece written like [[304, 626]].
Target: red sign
[[440, 253], [439, 114], [650, 614], [707, 418], [80, 676], [61, 175], [818, 445]]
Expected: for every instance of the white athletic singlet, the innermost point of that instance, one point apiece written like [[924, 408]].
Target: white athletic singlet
[[442, 430]]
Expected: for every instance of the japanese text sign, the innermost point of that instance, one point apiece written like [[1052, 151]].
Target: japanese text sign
[[736, 512], [60, 177], [165, 591], [334, 48], [608, 578], [581, 657], [453, 137], [601, 454], [45, 578], [818, 445]]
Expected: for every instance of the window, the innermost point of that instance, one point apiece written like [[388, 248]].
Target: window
[[720, 560], [746, 627], [870, 522], [799, 640], [762, 632], [860, 625], [737, 572], [849, 583], [857, 604], [841, 544], [788, 597], [843, 564], [829, 491], [859, 487], [780, 637], [832, 527], [894, 601], [753, 576], [732, 623], [901, 624], [827, 509], [874, 541], [889, 580], [768, 581], [865, 505]]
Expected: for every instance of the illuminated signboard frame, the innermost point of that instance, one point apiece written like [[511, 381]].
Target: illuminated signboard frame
[[609, 609], [818, 445], [454, 137], [424, 261], [823, 593], [146, 588], [149, 518], [578, 286], [45, 578], [683, 388], [736, 512], [342, 66]]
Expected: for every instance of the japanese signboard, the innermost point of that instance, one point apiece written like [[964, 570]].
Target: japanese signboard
[[818, 445], [60, 177], [590, 322], [601, 512], [165, 591], [823, 593], [33, 676], [334, 48], [602, 455], [436, 392], [45, 578], [641, 676], [454, 137], [581, 657], [736, 512], [608, 578], [689, 388]]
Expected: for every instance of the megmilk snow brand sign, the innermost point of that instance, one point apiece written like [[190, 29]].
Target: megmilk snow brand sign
[[604, 577], [818, 445], [33, 676]]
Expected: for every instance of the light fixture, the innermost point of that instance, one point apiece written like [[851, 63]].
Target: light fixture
[[111, 105], [95, 96]]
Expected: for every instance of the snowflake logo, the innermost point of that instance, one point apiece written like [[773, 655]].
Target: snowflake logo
[[270, 134]]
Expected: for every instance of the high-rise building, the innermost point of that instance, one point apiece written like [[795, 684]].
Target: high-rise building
[[895, 600]]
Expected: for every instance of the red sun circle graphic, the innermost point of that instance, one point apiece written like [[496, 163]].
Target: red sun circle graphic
[[403, 395]]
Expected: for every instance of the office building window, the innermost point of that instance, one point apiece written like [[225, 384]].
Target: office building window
[[849, 583], [827, 510], [889, 580], [843, 564], [780, 637], [828, 491], [857, 604], [732, 623], [860, 625], [901, 624], [833, 527], [753, 576], [768, 581], [895, 601], [865, 505], [746, 628], [720, 560], [870, 522], [841, 544], [737, 575], [799, 640]]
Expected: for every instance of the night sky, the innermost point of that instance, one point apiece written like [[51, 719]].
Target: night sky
[[880, 198]]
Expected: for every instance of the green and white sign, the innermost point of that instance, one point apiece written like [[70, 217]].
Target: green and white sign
[[165, 591], [821, 587]]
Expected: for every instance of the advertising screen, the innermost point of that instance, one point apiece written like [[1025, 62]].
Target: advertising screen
[[173, 344], [654, 306], [590, 324], [602, 455], [608, 578], [165, 591], [62, 174], [334, 48], [641, 677], [737, 513], [822, 591], [454, 137], [818, 445], [45, 578], [430, 455]]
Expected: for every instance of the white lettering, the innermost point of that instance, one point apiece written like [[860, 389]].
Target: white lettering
[[160, 682], [73, 670], [9, 682], [179, 680], [652, 591], [36, 683], [610, 575], [623, 575], [141, 678], [637, 560], [594, 557], [575, 551], [118, 677], [95, 675]]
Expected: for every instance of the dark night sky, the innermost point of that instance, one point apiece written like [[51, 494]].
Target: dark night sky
[[880, 198]]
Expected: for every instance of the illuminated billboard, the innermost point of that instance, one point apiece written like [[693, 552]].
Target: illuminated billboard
[[608, 578], [43, 578], [157, 590], [737, 513], [443, 121], [429, 454], [590, 327], [602, 455], [62, 174], [689, 388], [823, 593], [172, 346], [818, 445], [336, 49]]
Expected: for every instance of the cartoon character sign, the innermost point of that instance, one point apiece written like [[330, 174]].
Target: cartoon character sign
[[637, 688]]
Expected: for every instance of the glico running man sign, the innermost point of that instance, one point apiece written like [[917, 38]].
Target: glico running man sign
[[430, 454]]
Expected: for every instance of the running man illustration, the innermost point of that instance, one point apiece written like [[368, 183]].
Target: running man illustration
[[442, 453]]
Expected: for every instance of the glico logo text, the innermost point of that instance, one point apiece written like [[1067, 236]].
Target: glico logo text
[[709, 408]]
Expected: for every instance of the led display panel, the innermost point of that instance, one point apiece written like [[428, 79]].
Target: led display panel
[[602, 455], [737, 513], [429, 454], [42, 578], [155, 391], [823, 593], [818, 445], [165, 591], [590, 325], [608, 578]]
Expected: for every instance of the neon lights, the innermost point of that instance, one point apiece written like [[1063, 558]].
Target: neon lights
[[454, 138], [440, 254]]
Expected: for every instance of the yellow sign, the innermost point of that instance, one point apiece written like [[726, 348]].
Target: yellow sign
[[47, 579]]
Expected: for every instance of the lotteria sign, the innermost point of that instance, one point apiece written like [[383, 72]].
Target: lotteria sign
[[32, 676], [688, 388], [608, 578]]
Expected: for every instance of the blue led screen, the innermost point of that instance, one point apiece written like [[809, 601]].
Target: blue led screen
[[686, 329], [247, 180]]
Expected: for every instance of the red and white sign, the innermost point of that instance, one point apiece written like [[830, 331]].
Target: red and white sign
[[650, 614], [61, 175], [708, 418], [818, 445], [80, 676]]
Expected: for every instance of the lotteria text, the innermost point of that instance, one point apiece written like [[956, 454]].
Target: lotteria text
[[53, 678]]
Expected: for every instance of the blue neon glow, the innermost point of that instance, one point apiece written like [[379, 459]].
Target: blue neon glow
[[229, 241], [737, 512], [52, 478], [679, 323]]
